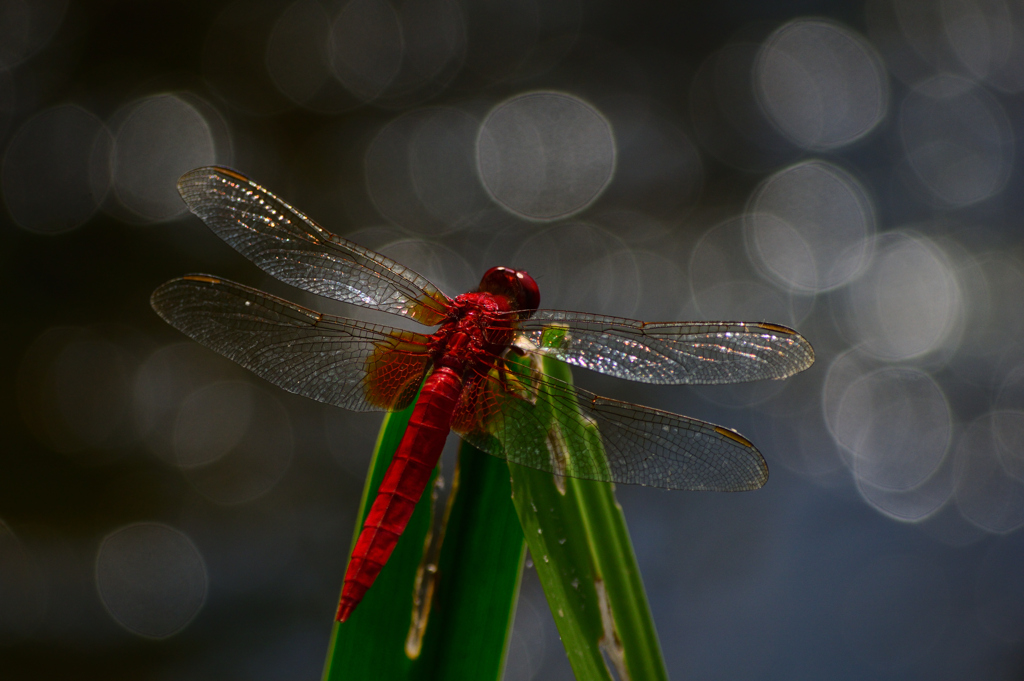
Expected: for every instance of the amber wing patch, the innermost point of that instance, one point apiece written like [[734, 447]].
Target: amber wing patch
[[395, 370]]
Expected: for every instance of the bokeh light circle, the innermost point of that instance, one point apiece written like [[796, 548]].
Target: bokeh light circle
[[91, 378], [810, 227], [151, 579], [986, 36], [545, 155], [726, 285], [988, 495], [637, 228], [663, 287], [1010, 395], [958, 140], [160, 139], [915, 505], [48, 182], [234, 58], [977, 39], [434, 39], [164, 380], [1008, 429], [906, 304], [366, 47], [443, 266], [580, 266], [799, 438], [846, 369], [727, 119], [992, 346], [897, 425], [299, 59], [658, 170], [74, 390], [234, 441], [397, 56], [212, 422], [822, 85], [421, 170]]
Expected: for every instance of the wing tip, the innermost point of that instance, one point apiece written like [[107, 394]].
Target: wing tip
[[759, 477], [758, 480], [808, 353], [805, 346]]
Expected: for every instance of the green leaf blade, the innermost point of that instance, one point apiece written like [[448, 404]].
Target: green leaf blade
[[580, 544], [552, 526], [480, 576]]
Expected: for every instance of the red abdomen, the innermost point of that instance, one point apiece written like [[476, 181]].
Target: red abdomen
[[403, 485]]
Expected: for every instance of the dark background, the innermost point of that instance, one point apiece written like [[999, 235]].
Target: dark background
[[848, 170]]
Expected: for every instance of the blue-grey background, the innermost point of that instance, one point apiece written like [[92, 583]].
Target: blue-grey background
[[847, 169]]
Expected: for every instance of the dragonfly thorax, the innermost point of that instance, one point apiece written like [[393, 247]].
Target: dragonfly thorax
[[479, 328]]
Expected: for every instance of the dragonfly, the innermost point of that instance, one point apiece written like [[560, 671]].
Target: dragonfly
[[460, 375]]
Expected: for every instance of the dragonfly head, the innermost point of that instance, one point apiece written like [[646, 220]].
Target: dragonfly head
[[516, 285]]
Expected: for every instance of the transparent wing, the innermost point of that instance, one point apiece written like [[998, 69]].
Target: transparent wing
[[673, 352], [339, 361], [516, 419], [291, 247]]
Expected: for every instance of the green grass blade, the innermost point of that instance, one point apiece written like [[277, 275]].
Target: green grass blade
[[558, 545], [580, 544], [477, 581], [480, 572], [616, 565]]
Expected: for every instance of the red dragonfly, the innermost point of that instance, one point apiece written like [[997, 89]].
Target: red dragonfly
[[466, 382]]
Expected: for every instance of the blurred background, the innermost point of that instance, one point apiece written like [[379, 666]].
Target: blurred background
[[847, 169]]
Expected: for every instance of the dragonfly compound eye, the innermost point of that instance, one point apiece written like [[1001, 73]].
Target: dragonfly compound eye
[[531, 293], [516, 285]]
